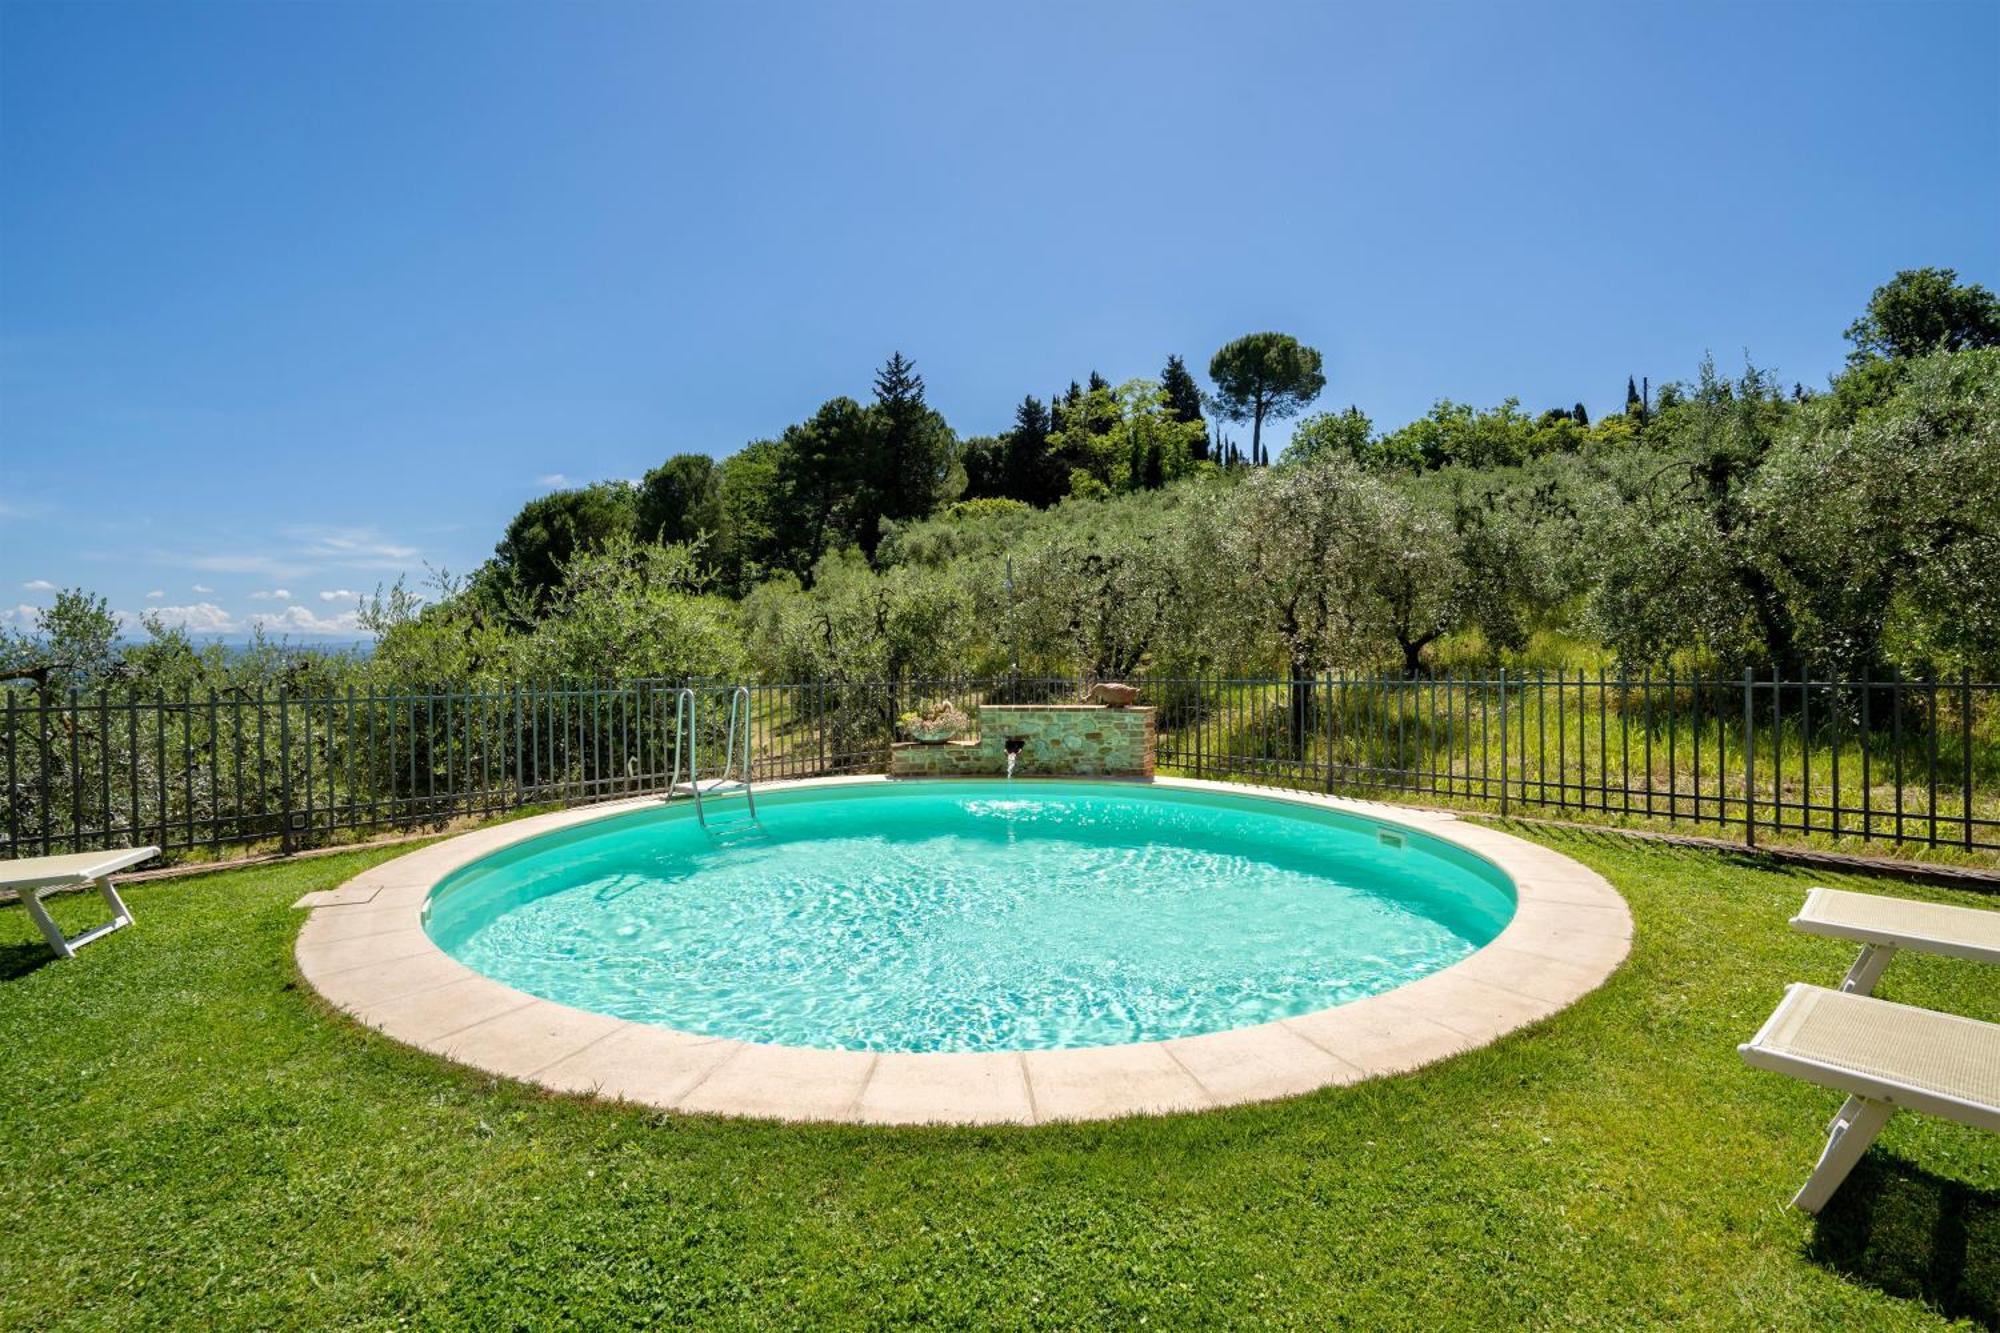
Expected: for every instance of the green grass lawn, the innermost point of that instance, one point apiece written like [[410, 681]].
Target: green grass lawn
[[190, 1139]]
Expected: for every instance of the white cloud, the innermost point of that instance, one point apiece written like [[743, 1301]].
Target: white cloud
[[200, 618], [338, 595], [39, 585], [156, 594], [21, 614], [359, 548], [305, 550], [203, 587], [270, 566], [271, 595], [301, 620], [552, 479]]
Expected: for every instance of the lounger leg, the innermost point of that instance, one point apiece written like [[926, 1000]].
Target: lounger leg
[[120, 913], [1867, 969], [1852, 1130], [32, 900]]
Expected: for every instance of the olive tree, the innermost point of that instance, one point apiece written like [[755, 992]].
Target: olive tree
[[1884, 535], [1303, 538]]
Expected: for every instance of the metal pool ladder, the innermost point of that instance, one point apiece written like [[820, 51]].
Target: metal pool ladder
[[735, 774]]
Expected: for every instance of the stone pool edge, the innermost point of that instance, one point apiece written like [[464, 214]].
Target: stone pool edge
[[363, 948]]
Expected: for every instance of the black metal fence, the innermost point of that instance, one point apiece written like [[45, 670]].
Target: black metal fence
[[1912, 765]]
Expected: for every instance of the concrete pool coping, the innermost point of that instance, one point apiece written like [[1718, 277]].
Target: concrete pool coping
[[365, 950]]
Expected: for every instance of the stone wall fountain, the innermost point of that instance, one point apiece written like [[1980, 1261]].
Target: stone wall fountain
[[1042, 740]]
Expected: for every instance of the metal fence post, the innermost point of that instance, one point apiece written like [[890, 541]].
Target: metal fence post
[[1326, 759], [1965, 748], [1749, 761], [284, 773], [1503, 742]]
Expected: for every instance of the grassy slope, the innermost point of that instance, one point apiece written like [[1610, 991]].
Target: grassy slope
[[186, 1138]]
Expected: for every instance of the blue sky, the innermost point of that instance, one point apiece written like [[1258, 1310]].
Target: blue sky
[[294, 299]]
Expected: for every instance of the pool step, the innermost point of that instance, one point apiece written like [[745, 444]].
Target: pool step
[[736, 832]]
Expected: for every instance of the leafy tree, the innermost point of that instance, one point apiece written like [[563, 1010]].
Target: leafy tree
[[1517, 543], [860, 624], [1108, 433], [552, 528], [627, 610], [1883, 535], [819, 494], [73, 646], [750, 501], [1924, 310], [1303, 537], [450, 632], [1459, 433], [1264, 376], [678, 501], [984, 459], [1327, 435], [1413, 570], [1184, 400], [1679, 561]]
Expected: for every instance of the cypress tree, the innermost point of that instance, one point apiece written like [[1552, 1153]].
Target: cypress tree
[[1581, 417]]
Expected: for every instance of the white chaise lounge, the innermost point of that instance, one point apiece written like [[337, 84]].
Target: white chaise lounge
[[1882, 925], [1887, 1058], [38, 875]]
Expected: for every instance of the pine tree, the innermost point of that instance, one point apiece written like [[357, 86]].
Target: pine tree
[[912, 455], [1031, 473], [1184, 400], [1581, 417]]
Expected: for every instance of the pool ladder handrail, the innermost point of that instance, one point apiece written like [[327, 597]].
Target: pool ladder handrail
[[687, 726]]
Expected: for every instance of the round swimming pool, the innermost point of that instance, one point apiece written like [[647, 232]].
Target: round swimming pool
[[970, 916]]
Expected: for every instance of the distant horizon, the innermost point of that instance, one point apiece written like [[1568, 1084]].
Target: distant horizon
[[299, 301]]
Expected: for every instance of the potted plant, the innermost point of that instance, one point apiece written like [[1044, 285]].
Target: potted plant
[[935, 722]]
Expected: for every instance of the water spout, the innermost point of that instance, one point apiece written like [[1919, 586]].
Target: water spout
[[1014, 747]]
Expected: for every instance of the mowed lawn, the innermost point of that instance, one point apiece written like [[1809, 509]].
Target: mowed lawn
[[190, 1139]]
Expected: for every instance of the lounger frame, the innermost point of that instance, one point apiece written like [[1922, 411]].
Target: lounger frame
[[1871, 1101]]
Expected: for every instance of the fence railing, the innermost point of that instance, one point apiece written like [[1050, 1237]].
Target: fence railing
[[1913, 764], [1909, 765]]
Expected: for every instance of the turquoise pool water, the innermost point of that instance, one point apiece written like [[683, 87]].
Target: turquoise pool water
[[956, 916]]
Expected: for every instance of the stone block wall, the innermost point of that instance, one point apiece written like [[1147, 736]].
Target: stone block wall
[[1058, 740]]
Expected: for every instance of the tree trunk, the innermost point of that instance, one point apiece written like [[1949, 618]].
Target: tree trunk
[[1300, 709], [1413, 659]]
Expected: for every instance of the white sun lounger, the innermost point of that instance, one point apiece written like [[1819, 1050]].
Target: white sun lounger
[[1887, 1058], [38, 875], [1882, 925]]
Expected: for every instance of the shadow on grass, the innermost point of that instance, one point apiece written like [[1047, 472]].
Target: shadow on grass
[[1915, 1235], [18, 960]]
